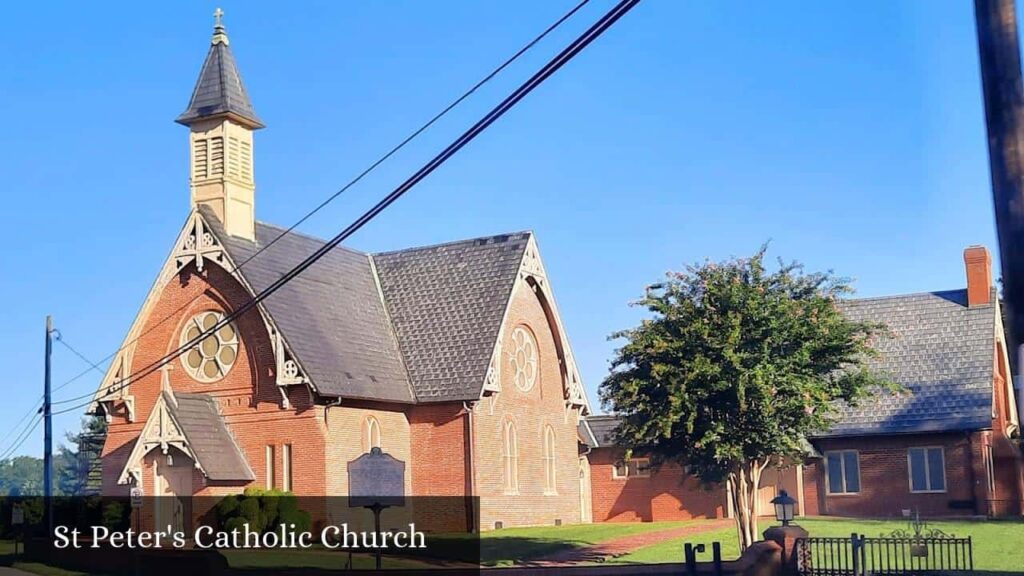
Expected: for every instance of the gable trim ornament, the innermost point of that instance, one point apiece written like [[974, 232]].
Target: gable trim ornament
[[196, 242], [119, 388], [161, 431], [533, 275]]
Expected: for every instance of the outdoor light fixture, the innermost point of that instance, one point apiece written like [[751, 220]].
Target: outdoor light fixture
[[784, 505]]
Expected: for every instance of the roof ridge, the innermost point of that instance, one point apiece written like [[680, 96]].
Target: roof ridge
[[393, 331], [452, 243], [290, 232], [907, 295]]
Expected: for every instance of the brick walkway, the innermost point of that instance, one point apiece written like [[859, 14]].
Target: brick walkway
[[626, 544]]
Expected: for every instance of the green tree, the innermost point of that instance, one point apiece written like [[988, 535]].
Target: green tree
[[78, 469], [21, 476], [734, 368]]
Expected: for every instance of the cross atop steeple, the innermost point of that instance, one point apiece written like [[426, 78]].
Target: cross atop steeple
[[220, 36], [219, 91]]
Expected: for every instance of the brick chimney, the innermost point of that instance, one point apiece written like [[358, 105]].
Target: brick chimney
[[978, 263]]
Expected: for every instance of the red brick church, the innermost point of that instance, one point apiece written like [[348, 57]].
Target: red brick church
[[451, 358]]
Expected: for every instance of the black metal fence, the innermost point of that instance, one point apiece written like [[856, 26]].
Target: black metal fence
[[858, 555]]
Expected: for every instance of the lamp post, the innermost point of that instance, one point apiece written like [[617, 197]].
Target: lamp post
[[784, 507], [788, 535]]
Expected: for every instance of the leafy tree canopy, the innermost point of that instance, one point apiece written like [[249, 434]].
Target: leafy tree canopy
[[737, 364]]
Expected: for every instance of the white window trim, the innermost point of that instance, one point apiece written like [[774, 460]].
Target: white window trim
[[373, 425], [842, 469], [510, 440], [550, 463], [286, 467], [270, 466], [927, 472], [636, 466], [523, 337]]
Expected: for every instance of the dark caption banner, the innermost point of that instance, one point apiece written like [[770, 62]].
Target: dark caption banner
[[255, 534]]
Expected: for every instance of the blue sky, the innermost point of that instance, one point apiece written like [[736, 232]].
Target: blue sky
[[850, 134]]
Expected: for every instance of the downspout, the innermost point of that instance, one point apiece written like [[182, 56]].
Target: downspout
[[470, 468], [327, 410]]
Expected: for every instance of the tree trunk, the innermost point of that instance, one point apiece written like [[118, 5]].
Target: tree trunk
[[743, 486]]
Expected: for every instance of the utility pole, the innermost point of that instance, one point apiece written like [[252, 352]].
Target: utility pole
[[48, 429], [999, 49]]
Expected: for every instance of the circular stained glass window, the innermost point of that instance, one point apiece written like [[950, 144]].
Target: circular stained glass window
[[524, 358], [212, 358]]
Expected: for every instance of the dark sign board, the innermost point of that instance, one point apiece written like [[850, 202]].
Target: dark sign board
[[376, 479]]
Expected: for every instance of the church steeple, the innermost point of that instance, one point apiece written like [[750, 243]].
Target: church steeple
[[221, 121]]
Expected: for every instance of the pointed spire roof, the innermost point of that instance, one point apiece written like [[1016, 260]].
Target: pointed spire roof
[[219, 91]]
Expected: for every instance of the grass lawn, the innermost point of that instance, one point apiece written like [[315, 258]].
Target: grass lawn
[[310, 558], [998, 544], [511, 545], [44, 570]]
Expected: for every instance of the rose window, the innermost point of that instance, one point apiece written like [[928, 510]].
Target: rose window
[[214, 355], [524, 358]]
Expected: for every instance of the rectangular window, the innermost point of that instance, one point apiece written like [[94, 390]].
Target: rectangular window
[[842, 468], [927, 469], [640, 468], [286, 467], [632, 468], [620, 470], [270, 466]]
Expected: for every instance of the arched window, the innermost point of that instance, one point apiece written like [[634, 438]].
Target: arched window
[[550, 487], [523, 358], [511, 459], [372, 433]]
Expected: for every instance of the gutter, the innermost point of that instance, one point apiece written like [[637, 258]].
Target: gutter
[[470, 467]]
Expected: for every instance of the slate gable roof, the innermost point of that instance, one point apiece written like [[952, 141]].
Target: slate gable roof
[[219, 90], [599, 431], [447, 303], [415, 325], [331, 315], [208, 436], [939, 350]]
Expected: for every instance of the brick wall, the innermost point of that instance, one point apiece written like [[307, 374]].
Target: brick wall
[[247, 396], [531, 412], [1008, 496], [437, 445], [668, 494], [885, 481]]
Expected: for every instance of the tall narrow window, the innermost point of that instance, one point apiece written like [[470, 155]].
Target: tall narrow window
[[550, 487], [372, 433], [843, 471], [270, 466], [927, 469], [286, 467], [511, 459]]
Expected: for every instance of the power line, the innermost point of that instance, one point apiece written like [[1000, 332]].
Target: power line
[[92, 365], [22, 437], [415, 134], [497, 112], [34, 410]]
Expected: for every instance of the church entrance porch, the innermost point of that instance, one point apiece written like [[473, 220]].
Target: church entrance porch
[[173, 489]]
